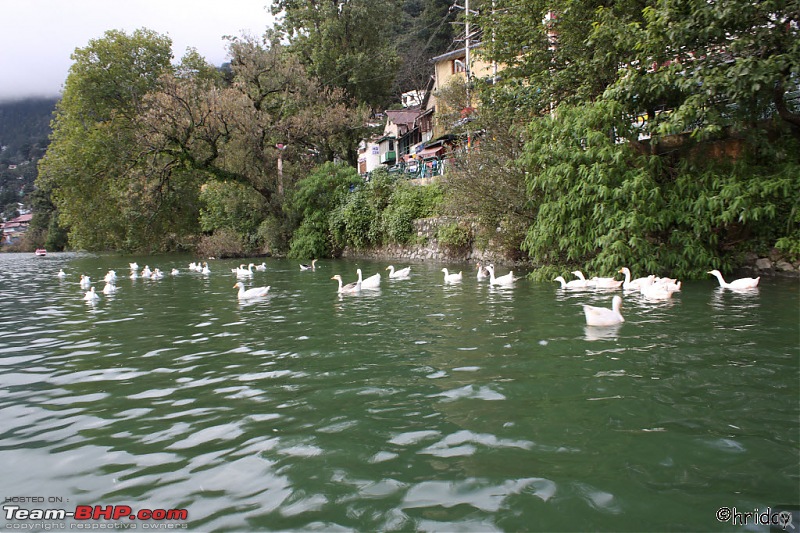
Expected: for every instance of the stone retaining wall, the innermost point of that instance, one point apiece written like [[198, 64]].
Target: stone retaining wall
[[429, 249]]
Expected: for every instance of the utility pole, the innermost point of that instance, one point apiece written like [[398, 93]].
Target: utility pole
[[467, 62]]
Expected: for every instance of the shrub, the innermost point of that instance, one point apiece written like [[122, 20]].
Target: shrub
[[454, 237]]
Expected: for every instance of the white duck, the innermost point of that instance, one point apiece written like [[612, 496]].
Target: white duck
[[146, 272], [91, 295], [110, 288], [61, 274], [175, 272], [262, 267], [403, 273], [157, 274], [255, 292], [575, 284], [634, 284], [602, 316], [606, 283], [111, 277], [134, 266], [505, 280], [85, 282], [656, 291], [205, 270], [372, 282], [350, 288], [741, 283], [588, 283], [243, 273], [452, 278], [312, 266]]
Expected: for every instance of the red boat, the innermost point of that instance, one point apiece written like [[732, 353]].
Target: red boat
[[40, 252]]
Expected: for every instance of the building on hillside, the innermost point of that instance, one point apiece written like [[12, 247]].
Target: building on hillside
[[15, 228]]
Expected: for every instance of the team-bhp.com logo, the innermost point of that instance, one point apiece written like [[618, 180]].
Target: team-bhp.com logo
[[91, 513]]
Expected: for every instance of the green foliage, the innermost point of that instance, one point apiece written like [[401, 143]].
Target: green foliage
[[454, 237], [407, 203], [225, 242], [235, 207], [344, 44], [382, 211], [91, 165], [604, 205], [315, 198]]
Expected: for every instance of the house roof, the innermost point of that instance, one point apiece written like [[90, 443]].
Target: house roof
[[22, 218], [455, 54], [403, 117]]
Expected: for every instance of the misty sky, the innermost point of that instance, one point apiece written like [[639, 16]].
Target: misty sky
[[38, 36]]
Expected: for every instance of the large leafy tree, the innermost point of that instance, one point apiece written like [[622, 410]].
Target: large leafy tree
[[344, 43], [90, 167], [272, 111], [552, 52], [711, 65], [582, 74]]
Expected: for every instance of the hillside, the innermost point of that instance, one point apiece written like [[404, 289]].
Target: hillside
[[24, 132]]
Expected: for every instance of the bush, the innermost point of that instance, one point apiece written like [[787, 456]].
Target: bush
[[224, 242], [407, 203], [312, 203], [454, 237]]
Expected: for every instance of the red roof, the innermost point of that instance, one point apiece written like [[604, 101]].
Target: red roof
[[22, 218]]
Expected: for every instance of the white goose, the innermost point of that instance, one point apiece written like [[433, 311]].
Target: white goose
[[737, 284], [602, 316], [350, 288], [110, 288], [635, 284], [311, 267], [245, 273], [505, 280], [403, 273], [575, 284], [451, 278], [372, 282], [255, 292], [588, 283], [205, 270], [656, 291], [606, 283], [85, 282], [91, 295]]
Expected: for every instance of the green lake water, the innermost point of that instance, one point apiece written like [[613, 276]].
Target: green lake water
[[419, 407]]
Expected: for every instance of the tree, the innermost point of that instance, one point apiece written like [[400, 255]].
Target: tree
[[554, 53], [712, 65], [312, 203], [91, 165], [344, 43]]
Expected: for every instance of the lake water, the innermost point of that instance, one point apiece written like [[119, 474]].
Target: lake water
[[421, 407]]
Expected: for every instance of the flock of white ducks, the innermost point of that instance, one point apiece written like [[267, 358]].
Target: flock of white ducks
[[650, 287]]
